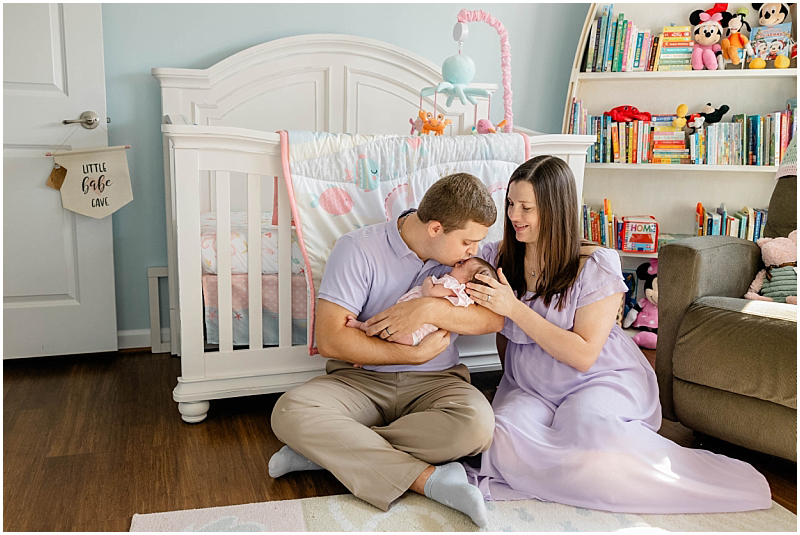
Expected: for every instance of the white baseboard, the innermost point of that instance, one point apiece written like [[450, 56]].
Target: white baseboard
[[139, 338]]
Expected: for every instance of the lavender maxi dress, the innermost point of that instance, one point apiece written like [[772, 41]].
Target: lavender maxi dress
[[589, 439]]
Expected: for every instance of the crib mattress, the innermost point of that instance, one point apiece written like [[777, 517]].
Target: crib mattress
[[269, 244], [269, 309]]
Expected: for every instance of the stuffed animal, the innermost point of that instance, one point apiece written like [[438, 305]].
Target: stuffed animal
[[416, 126], [770, 15], [644, 314], [778, 280], [713, 115], [626, 114], [485, 126], [707, 33], [735, 40], [695, 122], [433, 124], [680, 120]]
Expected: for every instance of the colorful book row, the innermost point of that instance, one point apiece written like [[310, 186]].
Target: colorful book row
[[615, 44], [747, 223]]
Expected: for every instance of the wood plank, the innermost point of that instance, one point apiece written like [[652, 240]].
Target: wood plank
[[90, 440]]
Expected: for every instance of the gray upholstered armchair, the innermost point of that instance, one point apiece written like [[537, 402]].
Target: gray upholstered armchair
[[726, 366]]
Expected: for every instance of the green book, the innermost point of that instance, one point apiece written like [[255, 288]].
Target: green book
[[618, 40], [620, 50]]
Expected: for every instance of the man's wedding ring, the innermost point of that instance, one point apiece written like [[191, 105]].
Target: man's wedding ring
[[387, 331]]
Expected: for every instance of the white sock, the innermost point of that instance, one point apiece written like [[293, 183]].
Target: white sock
[[449, 485], [287, 460]]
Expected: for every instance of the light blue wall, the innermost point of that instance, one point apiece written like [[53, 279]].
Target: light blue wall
[[138, 37]]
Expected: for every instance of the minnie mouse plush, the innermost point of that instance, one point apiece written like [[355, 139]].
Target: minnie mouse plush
[[644, 314], [708, 32]]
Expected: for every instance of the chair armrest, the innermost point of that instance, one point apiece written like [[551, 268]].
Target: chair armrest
[[689, 269]]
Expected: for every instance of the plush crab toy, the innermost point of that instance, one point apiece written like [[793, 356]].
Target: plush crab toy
[[644, 314], [708, 32], [626, 114], [778, 280]]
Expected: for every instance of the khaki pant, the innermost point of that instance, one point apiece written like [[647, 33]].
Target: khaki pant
[[376, 432]]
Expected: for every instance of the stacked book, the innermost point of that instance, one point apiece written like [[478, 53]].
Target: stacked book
[[748, 223], [601, 226], [669, 145], [675, 49], [617, 45], [748, 140]]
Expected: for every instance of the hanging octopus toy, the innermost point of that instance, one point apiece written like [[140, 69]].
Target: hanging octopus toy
[[459, 70]]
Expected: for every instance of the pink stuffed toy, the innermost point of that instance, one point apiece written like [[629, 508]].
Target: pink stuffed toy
[[708, 32], [644, 314], [778, 280]]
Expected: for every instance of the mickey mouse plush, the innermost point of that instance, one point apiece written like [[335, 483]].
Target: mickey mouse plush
[[708, 32], [772, 14]]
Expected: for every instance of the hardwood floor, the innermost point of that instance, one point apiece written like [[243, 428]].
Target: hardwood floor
[[91, 440]]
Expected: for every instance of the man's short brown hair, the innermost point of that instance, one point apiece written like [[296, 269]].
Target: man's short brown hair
[[455, 200]]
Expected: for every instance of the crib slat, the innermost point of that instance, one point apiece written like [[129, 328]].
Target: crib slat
[[254, 259], [187, 210], [224, 306], [284, 266]]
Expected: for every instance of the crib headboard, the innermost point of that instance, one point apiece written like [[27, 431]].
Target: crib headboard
[[323, 82]]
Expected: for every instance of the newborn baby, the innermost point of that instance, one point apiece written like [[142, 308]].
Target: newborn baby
[[451, 286]]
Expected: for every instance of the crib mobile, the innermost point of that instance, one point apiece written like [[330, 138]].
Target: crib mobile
[[458, 71]]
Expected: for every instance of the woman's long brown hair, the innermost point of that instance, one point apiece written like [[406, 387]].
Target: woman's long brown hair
[[559, 241]]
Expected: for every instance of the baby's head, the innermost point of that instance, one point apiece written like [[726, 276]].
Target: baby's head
[[466, 270]]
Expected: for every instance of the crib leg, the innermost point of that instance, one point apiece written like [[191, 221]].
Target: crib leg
[[193, 412]]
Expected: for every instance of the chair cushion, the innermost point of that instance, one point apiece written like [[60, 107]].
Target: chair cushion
[[740, 346]]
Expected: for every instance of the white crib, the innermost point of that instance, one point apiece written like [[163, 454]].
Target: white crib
[[221, 154]]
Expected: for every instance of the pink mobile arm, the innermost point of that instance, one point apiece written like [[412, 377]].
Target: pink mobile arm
[[505, 50]]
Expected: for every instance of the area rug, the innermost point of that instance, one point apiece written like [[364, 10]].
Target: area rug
[[413, 512]]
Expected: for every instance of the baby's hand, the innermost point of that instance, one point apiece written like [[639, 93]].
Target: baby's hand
[[427, 287]]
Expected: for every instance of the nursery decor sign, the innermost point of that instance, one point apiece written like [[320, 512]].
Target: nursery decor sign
[[97, 181]]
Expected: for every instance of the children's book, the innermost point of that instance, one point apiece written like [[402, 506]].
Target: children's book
[[751, 222], [768, 42], [610, 46], [601, 46], [587, 66]]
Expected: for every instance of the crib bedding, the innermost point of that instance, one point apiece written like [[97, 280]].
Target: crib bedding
[[341, 182], [269, 244], [241, 311]]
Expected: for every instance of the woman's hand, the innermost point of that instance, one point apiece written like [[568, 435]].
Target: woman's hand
[[497, 297], [398, 320]]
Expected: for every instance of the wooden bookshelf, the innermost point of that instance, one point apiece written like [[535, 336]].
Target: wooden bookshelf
[[671, 192], [765, 169], [655, 76]]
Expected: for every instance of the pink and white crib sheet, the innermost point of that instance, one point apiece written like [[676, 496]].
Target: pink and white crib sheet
[[239, 246], [239, 283]]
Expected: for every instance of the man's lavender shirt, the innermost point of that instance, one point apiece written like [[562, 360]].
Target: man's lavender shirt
[[368, 270]]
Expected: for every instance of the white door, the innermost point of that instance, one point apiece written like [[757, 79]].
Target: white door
[[58, 268]]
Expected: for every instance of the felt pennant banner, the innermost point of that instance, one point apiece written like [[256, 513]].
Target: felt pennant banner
[[97, 181]]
